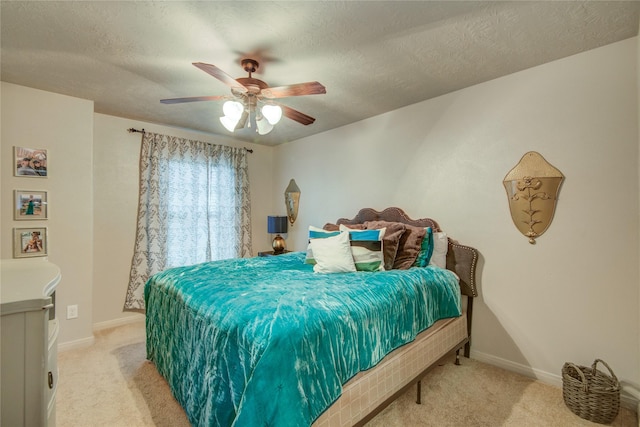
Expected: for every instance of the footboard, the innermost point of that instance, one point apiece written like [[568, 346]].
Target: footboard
[[371, 391]]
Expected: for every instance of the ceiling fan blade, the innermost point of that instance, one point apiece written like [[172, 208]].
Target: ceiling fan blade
[[194, 99], [221, 75], [296, 115], [299, 89]]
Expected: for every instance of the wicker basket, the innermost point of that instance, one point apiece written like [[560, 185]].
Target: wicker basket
[[590, 393]]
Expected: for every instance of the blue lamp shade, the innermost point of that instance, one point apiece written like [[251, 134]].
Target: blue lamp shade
[[277, 224]]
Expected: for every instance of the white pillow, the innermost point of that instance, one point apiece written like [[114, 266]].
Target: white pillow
[[333, 254], [316, 233], [440, 248]]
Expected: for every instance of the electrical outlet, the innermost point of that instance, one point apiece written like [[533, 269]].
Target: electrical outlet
[[72, 311]]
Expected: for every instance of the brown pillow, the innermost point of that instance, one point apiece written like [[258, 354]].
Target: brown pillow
[[390, 240], [334, 227], [409, 247], [330, 227]]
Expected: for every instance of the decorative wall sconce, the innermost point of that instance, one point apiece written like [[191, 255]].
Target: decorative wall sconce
[[292, 200], [532, 189]]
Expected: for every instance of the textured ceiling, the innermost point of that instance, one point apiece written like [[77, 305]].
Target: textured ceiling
[[372, 56]]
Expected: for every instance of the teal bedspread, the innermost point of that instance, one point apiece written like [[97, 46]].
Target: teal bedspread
[[266, 342]]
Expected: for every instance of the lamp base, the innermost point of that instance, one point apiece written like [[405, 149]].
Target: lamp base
[[278, 244]]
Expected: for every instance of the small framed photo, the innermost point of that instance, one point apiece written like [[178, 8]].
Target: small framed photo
[[30, 162], [29, 242], [30, 204]]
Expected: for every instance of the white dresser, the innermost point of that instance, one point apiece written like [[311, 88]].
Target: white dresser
[[29, 342]]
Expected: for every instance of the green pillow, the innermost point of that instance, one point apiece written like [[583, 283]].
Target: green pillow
[[426, 250]]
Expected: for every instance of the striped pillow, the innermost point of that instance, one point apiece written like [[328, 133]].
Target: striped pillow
[[316, 233], [366, 248]]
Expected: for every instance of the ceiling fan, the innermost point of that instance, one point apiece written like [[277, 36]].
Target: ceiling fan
[[250, 95]]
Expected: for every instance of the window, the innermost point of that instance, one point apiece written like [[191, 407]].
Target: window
[[194, 207]]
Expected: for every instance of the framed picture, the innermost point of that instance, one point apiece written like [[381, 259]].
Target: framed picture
[[29, 242], [30, 162], [29, 205]]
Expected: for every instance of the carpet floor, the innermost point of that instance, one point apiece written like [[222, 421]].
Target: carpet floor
[[111, 384]]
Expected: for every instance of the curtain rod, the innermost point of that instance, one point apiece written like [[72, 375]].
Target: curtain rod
[[131, 130]]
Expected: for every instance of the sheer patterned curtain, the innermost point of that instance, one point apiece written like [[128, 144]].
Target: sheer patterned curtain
[[193, 207]]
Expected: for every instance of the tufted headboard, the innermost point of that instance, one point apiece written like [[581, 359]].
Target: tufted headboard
[[461, 259]]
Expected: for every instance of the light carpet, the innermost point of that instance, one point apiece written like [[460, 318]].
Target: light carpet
[[111, 384]]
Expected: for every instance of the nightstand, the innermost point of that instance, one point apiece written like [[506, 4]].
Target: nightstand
[[271, 253]]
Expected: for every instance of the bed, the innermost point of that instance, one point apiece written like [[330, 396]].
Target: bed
[[266, 341]]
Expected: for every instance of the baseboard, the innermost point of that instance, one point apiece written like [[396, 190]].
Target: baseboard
[[77, 344], [118, 322], [527, 371], [628, 397], [88, 342]]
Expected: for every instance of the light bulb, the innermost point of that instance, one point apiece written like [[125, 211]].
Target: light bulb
[[273, 113], [233, 110]]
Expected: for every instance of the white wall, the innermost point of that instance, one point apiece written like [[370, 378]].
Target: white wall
[[116, 158], [64, 126], [573, 296]]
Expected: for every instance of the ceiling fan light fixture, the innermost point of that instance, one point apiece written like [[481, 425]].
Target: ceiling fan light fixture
[[228, 123], [233, 110], [273, 113], [263, 125]]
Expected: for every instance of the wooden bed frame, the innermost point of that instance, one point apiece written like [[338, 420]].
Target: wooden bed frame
[[369, 392]]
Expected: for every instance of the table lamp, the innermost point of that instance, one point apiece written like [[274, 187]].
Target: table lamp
[[277, 225]]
